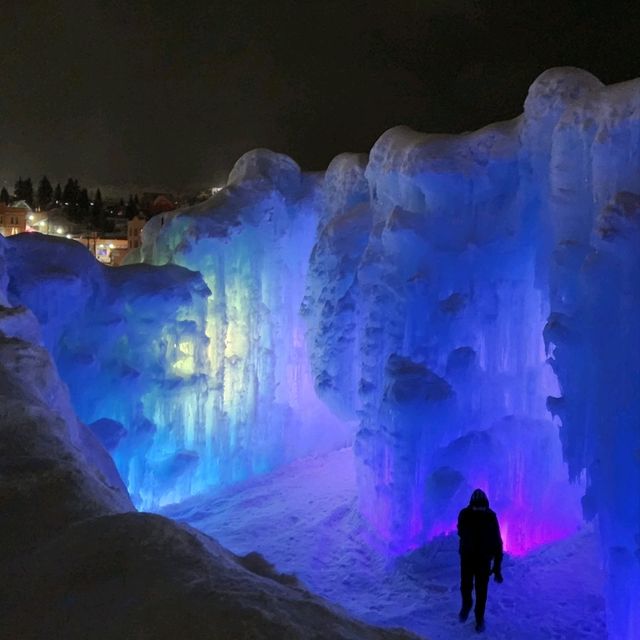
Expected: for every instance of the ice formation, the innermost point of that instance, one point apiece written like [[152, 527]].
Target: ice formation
[[454, 303], [192, 373]]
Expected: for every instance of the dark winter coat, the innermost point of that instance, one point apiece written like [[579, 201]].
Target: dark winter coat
[[480, 535]]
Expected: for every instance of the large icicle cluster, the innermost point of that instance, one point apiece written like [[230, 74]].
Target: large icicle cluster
[[592, 217], [131, 346], [429, 323], [472, 260], [251, 244], [193, 368]]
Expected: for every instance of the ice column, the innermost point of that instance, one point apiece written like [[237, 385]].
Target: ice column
[[428, 323], [593, 217]]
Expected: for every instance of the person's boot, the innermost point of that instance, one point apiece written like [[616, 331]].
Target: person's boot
[[480, 626], [464, 613]]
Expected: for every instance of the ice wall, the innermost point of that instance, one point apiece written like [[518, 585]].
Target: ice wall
[[192, 368], [251, 243], [428, 322], [478, 267], [130, 345], [593, 215]]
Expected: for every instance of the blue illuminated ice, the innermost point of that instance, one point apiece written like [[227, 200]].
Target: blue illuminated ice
[[199, 366], [464, 308]]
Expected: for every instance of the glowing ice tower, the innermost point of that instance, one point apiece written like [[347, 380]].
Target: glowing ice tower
[[251, 244], [588, 161], [445, 319]]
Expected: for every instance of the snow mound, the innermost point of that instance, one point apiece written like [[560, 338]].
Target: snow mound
[[142, 576]]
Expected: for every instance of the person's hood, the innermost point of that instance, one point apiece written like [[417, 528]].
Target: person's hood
[[479, 499]]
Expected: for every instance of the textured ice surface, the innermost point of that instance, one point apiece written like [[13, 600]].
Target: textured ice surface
[[453, 302], [203, 361], [73, 549]]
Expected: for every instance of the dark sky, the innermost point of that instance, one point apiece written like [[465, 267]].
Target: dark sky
[[172, 93]]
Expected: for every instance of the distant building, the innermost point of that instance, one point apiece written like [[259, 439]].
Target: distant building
[[134, 230], [56, 222], [14, 218], [110, 250], [152, 203], [162, 204]]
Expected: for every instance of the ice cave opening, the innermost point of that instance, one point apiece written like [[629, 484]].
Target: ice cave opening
[[460, 310]]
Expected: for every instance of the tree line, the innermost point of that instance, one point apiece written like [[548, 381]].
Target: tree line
[[73, 199]]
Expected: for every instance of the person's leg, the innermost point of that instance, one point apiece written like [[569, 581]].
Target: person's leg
[[481, 575], [466, 587]]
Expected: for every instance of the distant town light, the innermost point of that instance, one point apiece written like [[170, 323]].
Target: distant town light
[[59, 230], [111, 245], [31, 216], [215, 190], [42, 223], [68, 236]]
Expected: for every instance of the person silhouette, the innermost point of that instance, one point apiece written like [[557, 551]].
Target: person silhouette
[[480, 543]]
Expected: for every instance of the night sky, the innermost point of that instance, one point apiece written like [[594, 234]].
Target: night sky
[[171, 93]]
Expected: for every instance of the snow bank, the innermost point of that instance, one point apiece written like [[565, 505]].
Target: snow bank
[[140, 575]]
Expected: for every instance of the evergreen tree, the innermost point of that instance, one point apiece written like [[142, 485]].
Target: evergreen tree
[[4, 196], [24, 190], [97, 211], [57, 194], [28, 192], [131, 210], [70, 196], [83, 205], [45, 193]]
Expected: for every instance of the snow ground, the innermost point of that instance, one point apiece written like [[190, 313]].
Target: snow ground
[[303, 518]]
